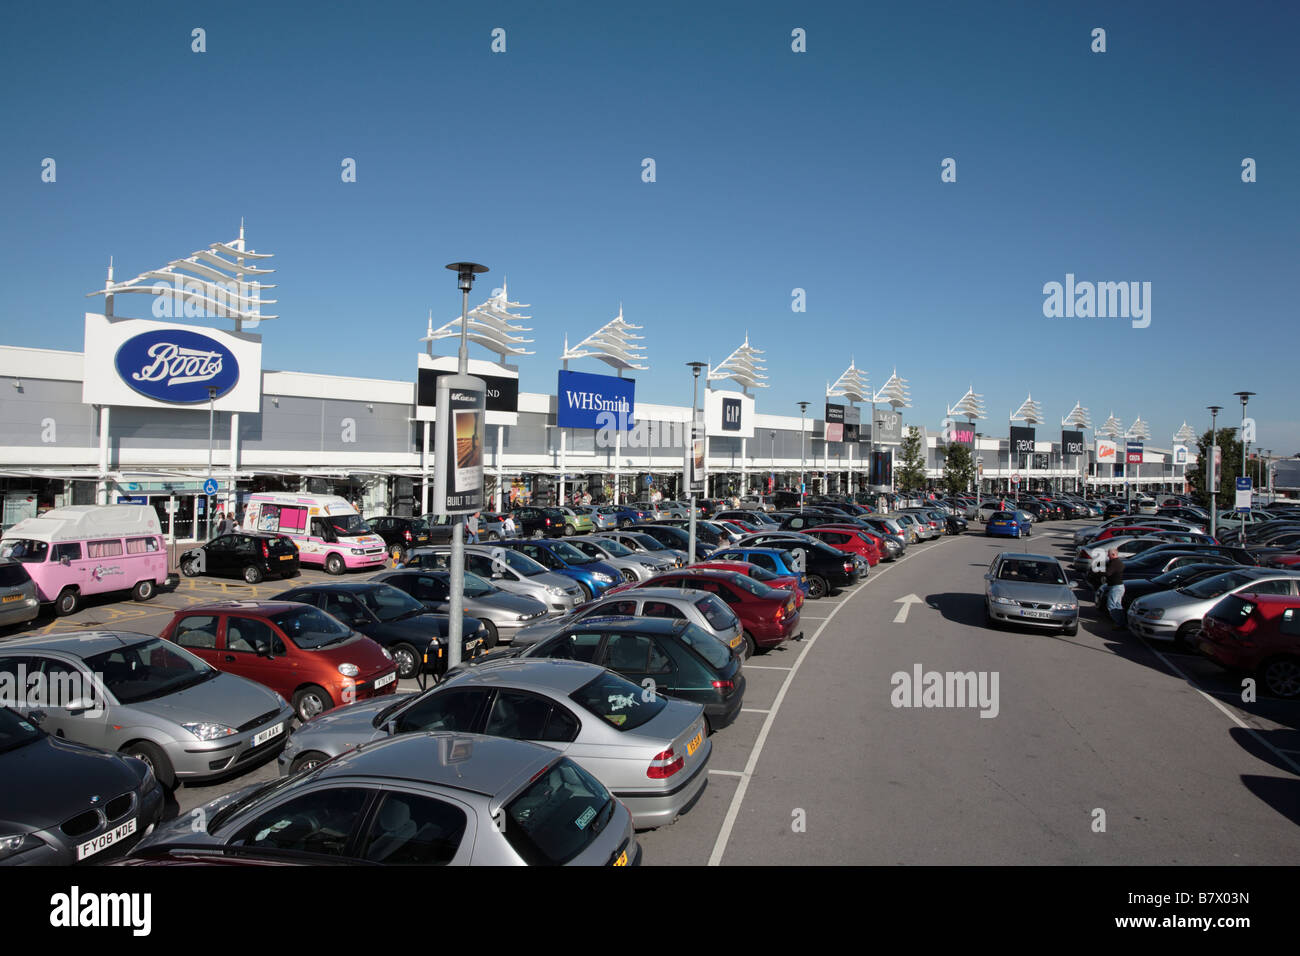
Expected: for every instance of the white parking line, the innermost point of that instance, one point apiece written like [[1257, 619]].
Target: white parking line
[[766, 667], [729, 821], [728, 773], [753, 710]]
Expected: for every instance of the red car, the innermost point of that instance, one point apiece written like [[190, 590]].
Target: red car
[[769, 617], [300, 652], [1287, 562], [850, 538], [782, 582], [1256, 634], [1134, 531]]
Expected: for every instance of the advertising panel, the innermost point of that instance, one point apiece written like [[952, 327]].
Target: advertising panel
[[1133, 453], [1072, 443], [834, 422], [591, 401], [728, 414], [458, 445], [1022, 440], [852, 423], [889, 426], [502, 388], [1107, 452]]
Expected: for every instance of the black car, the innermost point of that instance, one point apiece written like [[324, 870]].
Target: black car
[[70, 803], [533, 522], [956, 523], [682, 659], [402, 534], [675, 538], [416, 638], [1239, 555], [703, 533], [825, 568], [1034, 507], [1157, 561], [1179, 577], [251, 555]]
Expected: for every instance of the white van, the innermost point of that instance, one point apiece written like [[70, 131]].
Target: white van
[[326, 528], [90, 549]]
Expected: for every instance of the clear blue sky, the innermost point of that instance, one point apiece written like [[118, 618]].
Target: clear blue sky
[[775, 170]]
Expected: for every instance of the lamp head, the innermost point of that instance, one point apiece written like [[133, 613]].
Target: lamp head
[[465, 272]]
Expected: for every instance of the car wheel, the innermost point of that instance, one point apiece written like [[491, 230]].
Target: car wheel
[[408, 661], [493, 536], [751, 648], [1281, 677], [586, 592], [310, 701], [157, 761], [568, 531], [397, 553], [1070, 630], [307, 761], [67, 602], [190, 568], [490, 634], [817, 587], [143, 590], [253, 574], [624, 523], [1186, 636], [334, 564]]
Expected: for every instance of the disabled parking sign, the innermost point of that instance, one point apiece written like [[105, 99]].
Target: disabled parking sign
[[210, 487]]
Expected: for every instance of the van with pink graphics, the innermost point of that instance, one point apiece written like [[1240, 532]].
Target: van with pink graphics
[[71, 553], [326, 528]]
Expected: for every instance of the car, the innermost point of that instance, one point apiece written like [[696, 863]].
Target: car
[[600, 520], [757, 503], [825, 569], [1094, 559], [707, 534], [1156, 561], [753, 518], [508, 570], [624, 515], [1178, 577], [706, 611], [781, 563], [501, 612], [401, 534], [150, 699], [423, 798], [674, 538], [634, 566], [251, 555], [303, 654], [1029, 589], [605, 723], [640, 543], [593, 577], [769, 616], [1007, 524], [920, 525], [394, 620], [789, 582], [1256, 634], [572, 522], [1176, 615], [852, 540], [674, 657], [534, 522], [19, 600], [492, 526], [75, 804]]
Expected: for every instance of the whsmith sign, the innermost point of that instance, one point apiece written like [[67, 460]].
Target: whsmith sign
[[150, 364], [581, 398]]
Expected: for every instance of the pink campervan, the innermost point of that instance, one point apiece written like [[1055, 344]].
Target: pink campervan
[[326, 528], [74, 552]]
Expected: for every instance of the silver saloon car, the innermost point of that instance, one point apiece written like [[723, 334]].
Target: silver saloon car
[[634, 566], [501, 612], [650, 751], [1029, 589], [508, 570], [1177, 615]]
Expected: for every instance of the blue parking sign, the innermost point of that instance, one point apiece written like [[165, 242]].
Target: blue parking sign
[[1243, 494], [210, 486]]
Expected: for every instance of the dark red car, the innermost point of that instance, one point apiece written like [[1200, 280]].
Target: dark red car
[[782, 582], [769, 617], [300, 652], [1127, 531], [1256, 634], [850, 538]]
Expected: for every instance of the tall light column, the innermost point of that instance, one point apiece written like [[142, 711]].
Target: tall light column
[[1211, 472], [695, 399], [1245, 465], [207, 503], [803, 409]]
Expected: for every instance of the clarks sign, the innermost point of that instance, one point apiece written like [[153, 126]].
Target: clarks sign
[[177, 366]]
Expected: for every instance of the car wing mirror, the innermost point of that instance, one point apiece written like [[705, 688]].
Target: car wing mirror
[[36, 716], [263, 649], [390, 728], [83, 705]]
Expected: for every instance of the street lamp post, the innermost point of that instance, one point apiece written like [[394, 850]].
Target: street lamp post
[[207, 517], [772, 435], [1212, 477], [1245, 467], [695, 394], [465, 272], [803, 409]]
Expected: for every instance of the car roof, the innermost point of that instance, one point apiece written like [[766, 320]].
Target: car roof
[[78, 643], [641, 625], [262, 608], [560, 676], [1028, 557], [333, 586], [1272, 598]]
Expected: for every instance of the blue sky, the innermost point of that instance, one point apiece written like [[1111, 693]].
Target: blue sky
[[775, 171]]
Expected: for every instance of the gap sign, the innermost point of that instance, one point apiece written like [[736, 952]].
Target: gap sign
[[594, 401]]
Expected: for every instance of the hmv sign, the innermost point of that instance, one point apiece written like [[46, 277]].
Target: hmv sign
[[137, 362]]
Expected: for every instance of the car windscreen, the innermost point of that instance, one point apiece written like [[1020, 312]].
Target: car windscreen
[[1219, 584], [569, 554], [13, 575], [706, 645], [618, 702], [15, 730], [515, 561], [310, 628], [24, 550], [348, 525], [558, 815], [759, 589], [148, 670], [388, 603], [476, 587], [1033, 572], [614, 548], [647, 542]]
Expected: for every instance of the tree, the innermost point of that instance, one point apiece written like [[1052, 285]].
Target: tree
[[958, 469], [1230, 450], [911, 472]]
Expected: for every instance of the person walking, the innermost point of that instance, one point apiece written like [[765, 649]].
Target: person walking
[[1115, 588]]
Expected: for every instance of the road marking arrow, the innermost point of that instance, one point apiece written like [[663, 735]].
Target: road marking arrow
[[907, 601]]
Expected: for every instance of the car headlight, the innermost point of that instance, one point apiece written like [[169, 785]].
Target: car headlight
[[1154, 614], [386, 653], [349, 670], [1063, 607], [602, 577], [209, 731], [1002, 600], [557, 592], [357, 550], [11, 844]]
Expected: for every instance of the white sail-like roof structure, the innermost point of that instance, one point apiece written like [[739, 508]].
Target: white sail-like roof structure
[[1138, 431], [220, 281], [894, 392], [851, 385], [742, 366], [491, 325], [1029, 411], [1078, 417], [1112, 428], [612, 343], [1185, 434], [970, 405]]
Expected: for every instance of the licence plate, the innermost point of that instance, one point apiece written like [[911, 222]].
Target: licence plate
[[286, 557], [385, 681], [622, 859], [267, 734], [789, 606], [735, 641], [1041, 614], [694, 745], [10, 598], [105, 840]]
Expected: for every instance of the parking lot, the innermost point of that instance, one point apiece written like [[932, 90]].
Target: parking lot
[[1099, 748]]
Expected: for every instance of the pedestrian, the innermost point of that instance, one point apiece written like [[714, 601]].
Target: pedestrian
[[1115, 588], [471, 529], [509, 525]]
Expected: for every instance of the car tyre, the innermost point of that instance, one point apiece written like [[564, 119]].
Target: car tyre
[[568, 531], [817, 587], [253, 574], [310, 701], [490, 634], [143, 590], [307, 760], [1070, 630], [334, 564], [1281, 677], [751, 647], [190, 568], [586, 592], [1186, 635], [408, 661], [157, 761], [68, 601]]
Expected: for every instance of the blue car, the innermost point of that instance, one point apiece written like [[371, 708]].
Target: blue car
[[556, 554], [624, 515], [1008, 524], [775, 560]]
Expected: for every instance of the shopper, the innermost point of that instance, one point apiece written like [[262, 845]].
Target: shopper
[[1115, 588]]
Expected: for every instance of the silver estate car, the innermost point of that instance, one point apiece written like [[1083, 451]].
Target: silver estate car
[[19, 602], [508, 570], [419, 799], [149, 699], [633, 565], [1029, 589], [501, 612], [652, 752], [1176, 615]]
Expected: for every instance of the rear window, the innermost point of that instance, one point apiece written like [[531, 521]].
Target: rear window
[[13, 575], [558, 815], [1232, 610], [716, 613], [617, 701], [707, 646]]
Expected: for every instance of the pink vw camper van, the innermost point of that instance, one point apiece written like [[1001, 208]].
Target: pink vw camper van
[[90, 549], [326, 528]]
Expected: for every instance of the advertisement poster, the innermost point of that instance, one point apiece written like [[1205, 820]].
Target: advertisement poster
[[458, 446], [1072, 443], [697, 465]]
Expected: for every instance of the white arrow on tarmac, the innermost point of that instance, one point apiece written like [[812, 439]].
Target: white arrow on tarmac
[[907, 601]]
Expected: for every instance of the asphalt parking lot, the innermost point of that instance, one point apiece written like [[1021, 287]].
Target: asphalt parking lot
[[1102, 748]]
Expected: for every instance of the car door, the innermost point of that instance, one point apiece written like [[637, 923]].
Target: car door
[[639, 659], [577, 645], [410, 829], [197, 633], [428, 588], [324, 820], [219, 553], [456, 710], [521, 715], [71, 701], [238, 646]]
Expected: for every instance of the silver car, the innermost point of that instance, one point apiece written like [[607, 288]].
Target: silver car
[[634, 566], [639, 543], [424, 799], [601, 520], [701, 608], [501, 612], [1029, 589], [508, 570], [19, 602], [1176, 615], [150, 699], [650, 751]]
